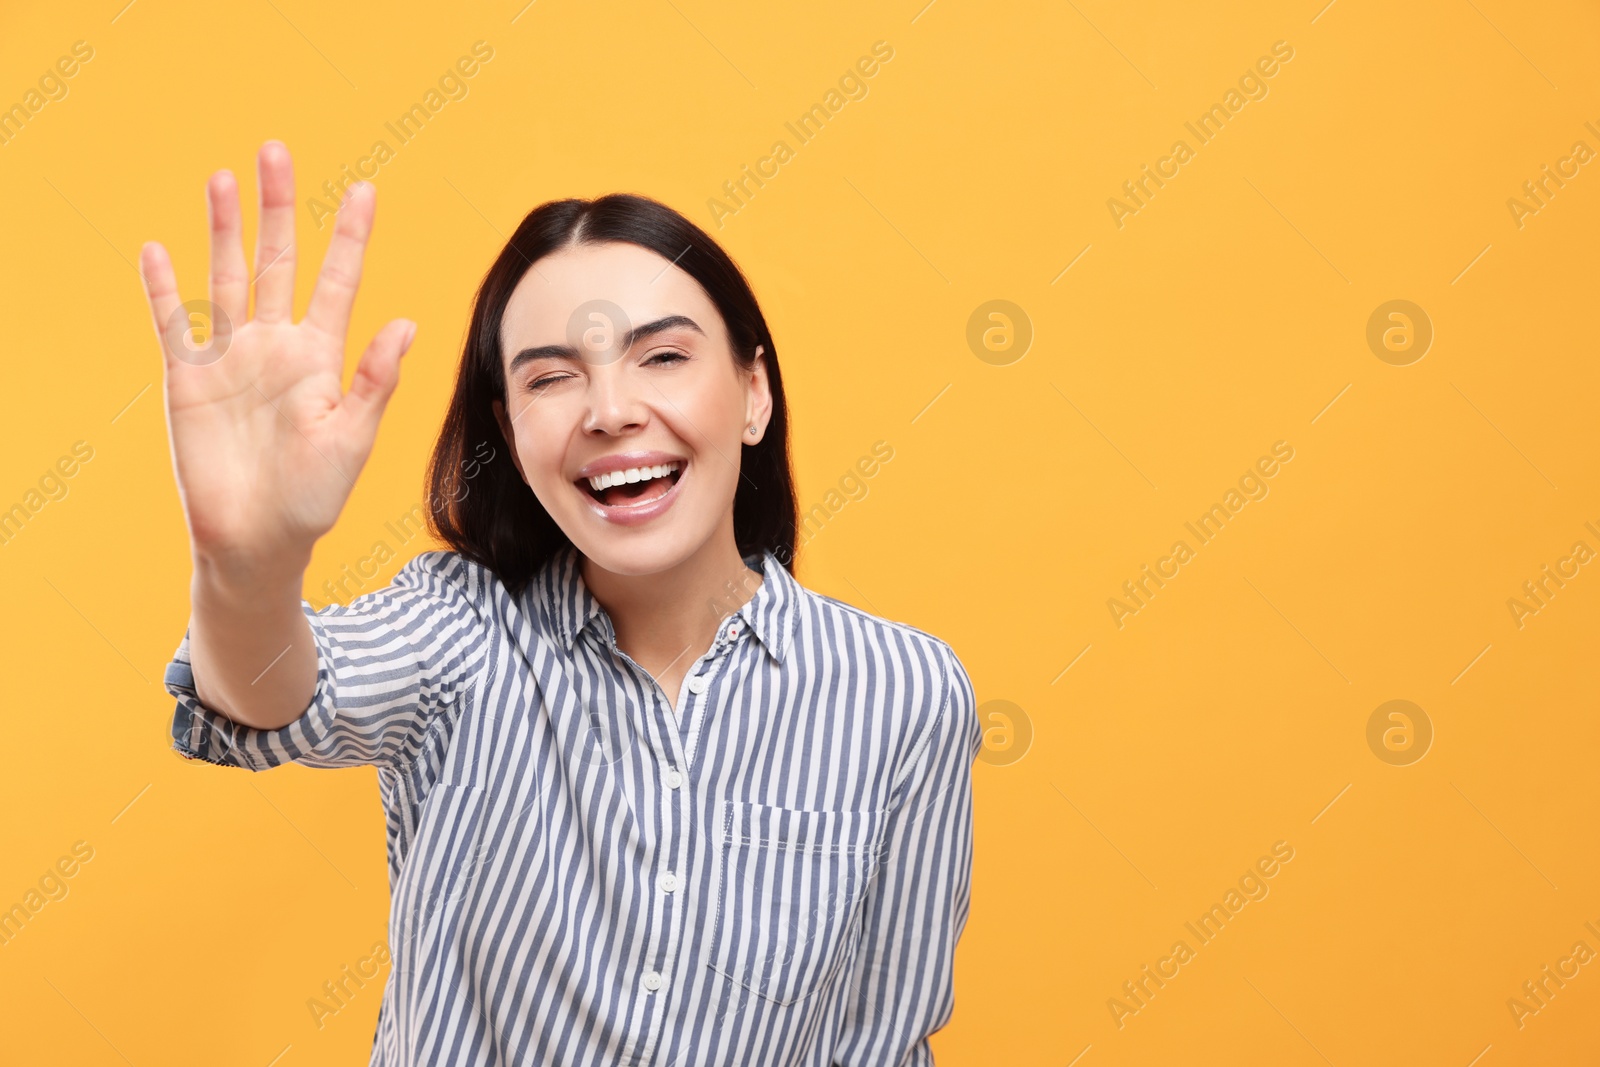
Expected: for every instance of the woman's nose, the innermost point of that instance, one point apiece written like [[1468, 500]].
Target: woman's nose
[[613, 403]]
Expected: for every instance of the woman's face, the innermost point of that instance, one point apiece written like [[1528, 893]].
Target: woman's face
[[616, 361]]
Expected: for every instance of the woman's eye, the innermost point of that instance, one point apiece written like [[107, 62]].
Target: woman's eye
[[676, 357], [551, 380]]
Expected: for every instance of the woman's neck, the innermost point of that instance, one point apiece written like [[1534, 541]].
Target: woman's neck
[[666, 621]]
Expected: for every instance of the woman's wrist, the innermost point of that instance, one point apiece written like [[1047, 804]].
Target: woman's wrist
[[247, 580]]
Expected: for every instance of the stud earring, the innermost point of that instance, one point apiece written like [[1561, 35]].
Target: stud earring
[[752, 429]]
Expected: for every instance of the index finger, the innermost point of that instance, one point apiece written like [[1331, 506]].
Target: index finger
[[335, 293]]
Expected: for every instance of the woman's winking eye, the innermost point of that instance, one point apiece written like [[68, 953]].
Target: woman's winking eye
[[669, 355], [550, 380]]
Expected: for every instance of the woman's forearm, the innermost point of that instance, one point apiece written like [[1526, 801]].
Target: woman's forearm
[[250, 645]]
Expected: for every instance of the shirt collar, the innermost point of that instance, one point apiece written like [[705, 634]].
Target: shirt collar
[[569, 607]]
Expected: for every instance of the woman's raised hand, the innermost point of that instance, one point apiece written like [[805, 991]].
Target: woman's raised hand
[[266, 445]]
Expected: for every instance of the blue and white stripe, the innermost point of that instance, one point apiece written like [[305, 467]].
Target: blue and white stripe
[[775, 872]]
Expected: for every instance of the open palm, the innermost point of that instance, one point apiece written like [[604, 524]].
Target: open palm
[[266, 445]]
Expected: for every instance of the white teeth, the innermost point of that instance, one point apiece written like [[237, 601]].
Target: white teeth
[[632, 474]]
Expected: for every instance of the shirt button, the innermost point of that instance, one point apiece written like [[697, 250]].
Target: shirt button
[[653, 980], [674, 778], [697, 684], [669, 881]]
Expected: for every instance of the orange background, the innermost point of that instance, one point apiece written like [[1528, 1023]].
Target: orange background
[[1230, 312]]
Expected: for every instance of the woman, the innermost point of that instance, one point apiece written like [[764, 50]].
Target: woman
[[649, 800]]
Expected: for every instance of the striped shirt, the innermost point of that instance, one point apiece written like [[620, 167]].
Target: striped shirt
[[774, 872]]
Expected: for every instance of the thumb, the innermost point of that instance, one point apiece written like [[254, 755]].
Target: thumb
[[376, 377]]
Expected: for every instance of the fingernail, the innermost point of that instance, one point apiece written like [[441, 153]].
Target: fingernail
[[411, 331]]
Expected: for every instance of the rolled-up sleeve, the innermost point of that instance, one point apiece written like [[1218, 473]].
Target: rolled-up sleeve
[[902, 979], [387, 663]]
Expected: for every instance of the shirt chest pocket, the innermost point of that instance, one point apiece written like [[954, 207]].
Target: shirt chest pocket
[[790, 885]]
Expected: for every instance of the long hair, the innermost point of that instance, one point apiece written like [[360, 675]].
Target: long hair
[[484, 510]]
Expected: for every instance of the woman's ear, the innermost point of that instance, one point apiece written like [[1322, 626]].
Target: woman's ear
[[510, 438], [760, 406]]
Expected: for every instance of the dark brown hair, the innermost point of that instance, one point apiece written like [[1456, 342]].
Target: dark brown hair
[[483, 509]]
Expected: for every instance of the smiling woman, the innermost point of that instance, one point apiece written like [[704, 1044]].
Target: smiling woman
[[620, 828], [555, 364]]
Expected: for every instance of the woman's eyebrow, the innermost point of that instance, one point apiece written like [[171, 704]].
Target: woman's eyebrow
[[639, 333]]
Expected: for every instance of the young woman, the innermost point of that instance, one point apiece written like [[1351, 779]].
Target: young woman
[[649, 800]]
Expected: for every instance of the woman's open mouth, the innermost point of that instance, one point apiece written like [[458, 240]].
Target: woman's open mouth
[[636, 494]]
